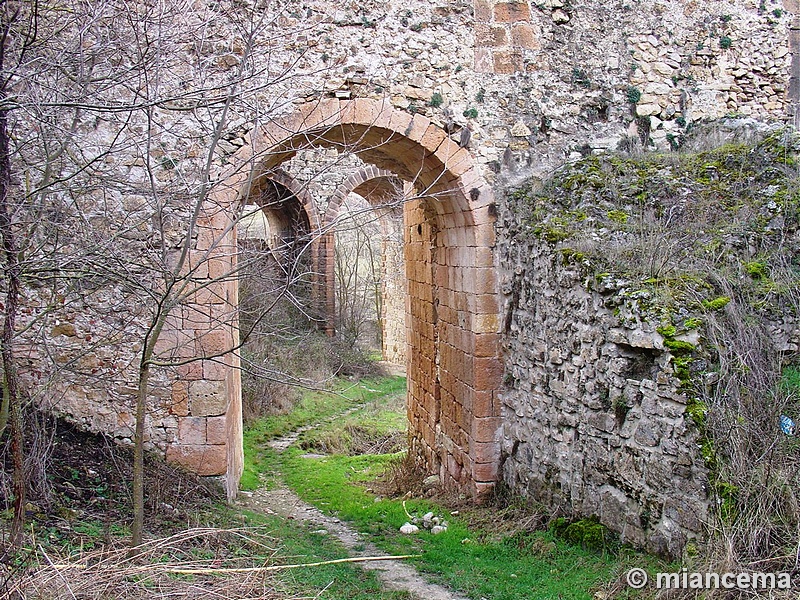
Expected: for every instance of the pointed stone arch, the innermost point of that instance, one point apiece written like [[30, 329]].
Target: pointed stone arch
[[454, 370]]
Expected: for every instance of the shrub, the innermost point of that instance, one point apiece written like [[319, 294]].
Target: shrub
[[634, 95], [588, 533]]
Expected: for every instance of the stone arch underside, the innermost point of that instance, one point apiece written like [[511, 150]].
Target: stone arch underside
[[287, 205], [454, 368], [295, 223]]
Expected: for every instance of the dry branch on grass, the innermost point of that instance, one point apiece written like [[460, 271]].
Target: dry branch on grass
[[165, 568]]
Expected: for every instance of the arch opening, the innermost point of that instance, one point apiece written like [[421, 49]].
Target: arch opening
[[451, 305]]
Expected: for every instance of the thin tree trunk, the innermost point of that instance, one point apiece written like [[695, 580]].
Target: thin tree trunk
[[10, 381], [137, 529]]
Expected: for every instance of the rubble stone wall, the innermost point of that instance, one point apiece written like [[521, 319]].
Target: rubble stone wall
[[593, 419]]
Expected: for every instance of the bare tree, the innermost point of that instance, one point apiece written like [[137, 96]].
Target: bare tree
[[358, 274], [115, 119]]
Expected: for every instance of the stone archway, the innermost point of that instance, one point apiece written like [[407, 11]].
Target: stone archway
[[295, 224], [454, 369], [378, 187]]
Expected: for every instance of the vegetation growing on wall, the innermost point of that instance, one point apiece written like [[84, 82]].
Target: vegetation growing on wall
[[706, 248]]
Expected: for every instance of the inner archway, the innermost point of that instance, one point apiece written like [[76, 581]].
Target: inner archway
[[454, 370], [385, 194], [279, 308]]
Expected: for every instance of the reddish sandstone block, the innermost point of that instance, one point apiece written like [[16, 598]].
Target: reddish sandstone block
[[484, 471], [456, 160], [215, 370], [174, 343], [433, 137], [214, 213], [191, 371], [473, 179], [483, 491], [485, 452], [507, 62], [216, 430], [210, 237], [192, 430], [220, 266], [324, 112], [483, 403], [215, 342], [360, 111], [490, 35], [485, 429], [484, 304], [485, 235], [485, 280], [198, 264], [207, 398], [213, 293], [201, 459], [180, 399], [453, 467], [511, 12], [488, 373], [524, 36], [484, 257], [486, 345]]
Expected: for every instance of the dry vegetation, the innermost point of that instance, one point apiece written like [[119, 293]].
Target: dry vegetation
[[196, 563]]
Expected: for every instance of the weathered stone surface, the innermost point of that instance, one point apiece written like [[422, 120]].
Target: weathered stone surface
[[201, 459], [216, 430], [65, 329], [593, 402], [207, 398], [192, 430]]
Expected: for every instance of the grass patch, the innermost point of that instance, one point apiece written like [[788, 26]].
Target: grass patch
[[790, 380], [479, 557], [300, 544], [314, 407], [478, 563], [379, 427]]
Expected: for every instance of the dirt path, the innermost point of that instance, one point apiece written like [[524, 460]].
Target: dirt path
[[395, 575]]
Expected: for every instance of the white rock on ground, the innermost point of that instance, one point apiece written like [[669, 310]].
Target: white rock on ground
[[408, 529]]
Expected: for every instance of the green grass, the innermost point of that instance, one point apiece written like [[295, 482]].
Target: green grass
[[790, 380], [314, 407], [468, 560], [476, 561], [381, 420], [300, 544]]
